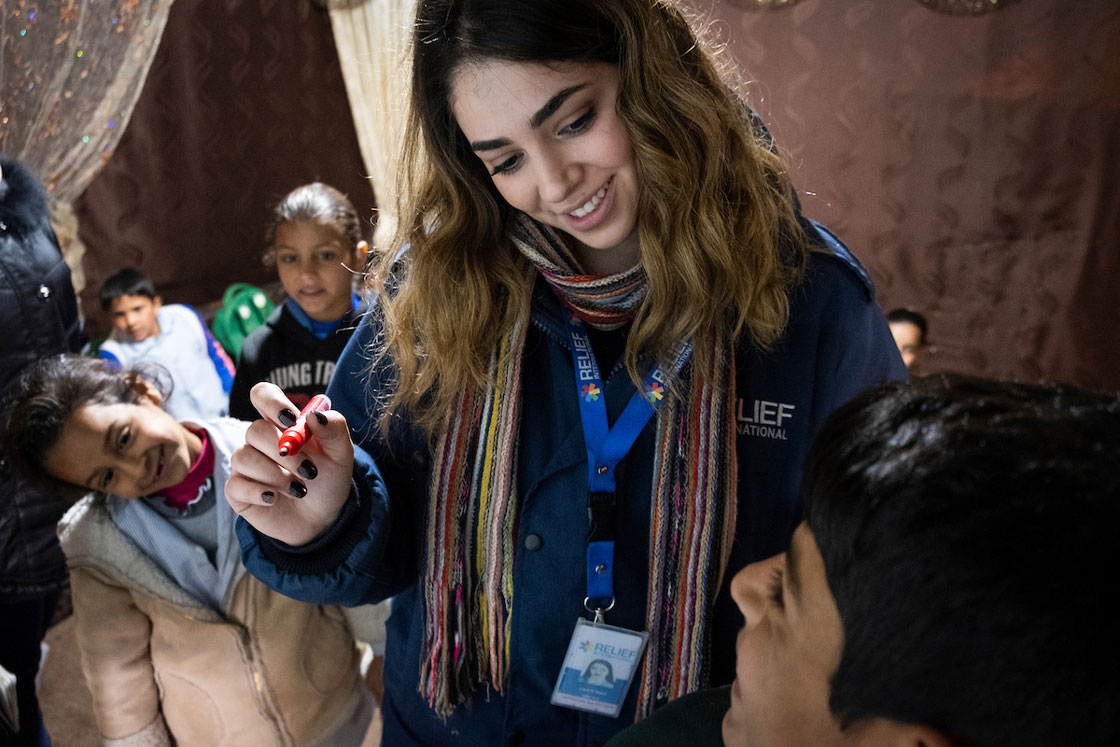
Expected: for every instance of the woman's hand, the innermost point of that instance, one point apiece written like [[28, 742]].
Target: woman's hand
[[294, 498]]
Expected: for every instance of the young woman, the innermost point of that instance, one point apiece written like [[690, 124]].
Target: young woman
[[593, 221], [179, 645]]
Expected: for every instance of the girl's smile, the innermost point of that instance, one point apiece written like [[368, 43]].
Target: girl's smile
[[128, 449]]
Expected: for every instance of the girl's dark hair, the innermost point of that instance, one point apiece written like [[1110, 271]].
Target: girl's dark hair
[[50, 391], [315, 203]]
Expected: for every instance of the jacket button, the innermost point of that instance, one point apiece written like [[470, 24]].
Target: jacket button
[[533, 542], [44, 292], [516, 739]]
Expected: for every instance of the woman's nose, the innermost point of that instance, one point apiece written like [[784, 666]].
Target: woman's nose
[[556, 179], [751, 587]]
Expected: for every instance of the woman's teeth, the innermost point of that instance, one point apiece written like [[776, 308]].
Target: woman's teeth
[[590, 204]]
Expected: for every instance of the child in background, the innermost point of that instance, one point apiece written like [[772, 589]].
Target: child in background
[[179, 644], [909, 331], [175, 337], [315, 241]]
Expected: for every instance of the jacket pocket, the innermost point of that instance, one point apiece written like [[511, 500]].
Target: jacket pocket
[[192, 717]]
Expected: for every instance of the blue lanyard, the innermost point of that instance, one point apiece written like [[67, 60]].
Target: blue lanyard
[[606, 447]]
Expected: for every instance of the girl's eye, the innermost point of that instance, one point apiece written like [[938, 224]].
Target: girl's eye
[[580, 125], [107, 479], [776, 589], [328, 257], [505, 166], [125, 436], [286, 259]]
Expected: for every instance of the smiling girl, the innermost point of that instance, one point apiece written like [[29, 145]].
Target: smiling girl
[[596, 235], [179, 645]]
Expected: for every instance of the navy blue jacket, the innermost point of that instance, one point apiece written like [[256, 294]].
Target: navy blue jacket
[[837, 343]]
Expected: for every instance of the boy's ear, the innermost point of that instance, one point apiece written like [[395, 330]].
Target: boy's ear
[[157, 302], [886, 732], [147, 390]]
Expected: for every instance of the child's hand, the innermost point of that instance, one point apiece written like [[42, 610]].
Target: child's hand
[[295, 498]]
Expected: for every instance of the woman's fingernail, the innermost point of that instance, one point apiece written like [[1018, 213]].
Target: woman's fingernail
[[287, 418], [298, 489], [268, 497], [321, 418], [307, 469]]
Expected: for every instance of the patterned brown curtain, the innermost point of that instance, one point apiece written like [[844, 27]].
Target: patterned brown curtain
[[970, 161], [951, 7]]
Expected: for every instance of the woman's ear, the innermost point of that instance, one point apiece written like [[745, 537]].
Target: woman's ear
[[146, 390]]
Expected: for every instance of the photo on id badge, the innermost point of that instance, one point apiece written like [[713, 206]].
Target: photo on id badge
[[598, 668]]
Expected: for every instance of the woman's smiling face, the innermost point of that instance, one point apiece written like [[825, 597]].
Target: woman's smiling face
[[551, 137]]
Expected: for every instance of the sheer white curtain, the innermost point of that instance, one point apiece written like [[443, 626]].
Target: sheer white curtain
[[70, 74], [372, 40]]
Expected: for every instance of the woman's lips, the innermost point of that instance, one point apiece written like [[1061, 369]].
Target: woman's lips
[[599, 204]]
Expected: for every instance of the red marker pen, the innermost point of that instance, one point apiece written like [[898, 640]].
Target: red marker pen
[[293, 439]]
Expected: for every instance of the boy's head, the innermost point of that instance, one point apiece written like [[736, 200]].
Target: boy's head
[[909, 331], [130, 300], [950, 583]]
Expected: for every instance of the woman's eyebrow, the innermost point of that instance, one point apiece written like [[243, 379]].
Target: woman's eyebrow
[[535, 121], [552, 105]]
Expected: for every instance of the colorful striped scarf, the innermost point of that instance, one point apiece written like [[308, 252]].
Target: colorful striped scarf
[[473, 506]]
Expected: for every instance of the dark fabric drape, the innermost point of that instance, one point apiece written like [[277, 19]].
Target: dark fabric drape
[[971, 162], [244, 102]]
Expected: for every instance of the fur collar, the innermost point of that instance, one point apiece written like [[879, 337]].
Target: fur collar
[[23, 203]]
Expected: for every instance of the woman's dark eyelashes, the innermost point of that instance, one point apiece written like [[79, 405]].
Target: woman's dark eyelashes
[[580, 124], [504, 166], [108, 478]]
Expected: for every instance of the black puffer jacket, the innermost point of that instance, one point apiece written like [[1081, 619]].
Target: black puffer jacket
[[38, 318]]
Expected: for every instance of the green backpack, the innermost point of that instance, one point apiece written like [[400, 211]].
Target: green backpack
[[244, 308]]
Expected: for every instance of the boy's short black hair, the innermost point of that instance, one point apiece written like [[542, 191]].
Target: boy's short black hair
[[970, 532], [126, 282], [910, 317]]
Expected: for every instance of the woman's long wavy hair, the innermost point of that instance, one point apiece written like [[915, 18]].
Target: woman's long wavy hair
[[717, 225]]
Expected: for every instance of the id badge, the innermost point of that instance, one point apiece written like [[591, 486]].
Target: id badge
[[599, 668]]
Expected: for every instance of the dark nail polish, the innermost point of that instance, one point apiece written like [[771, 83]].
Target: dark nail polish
[[268, 497], [307, 469], [321, 418], [298, 489], [287, 418]]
